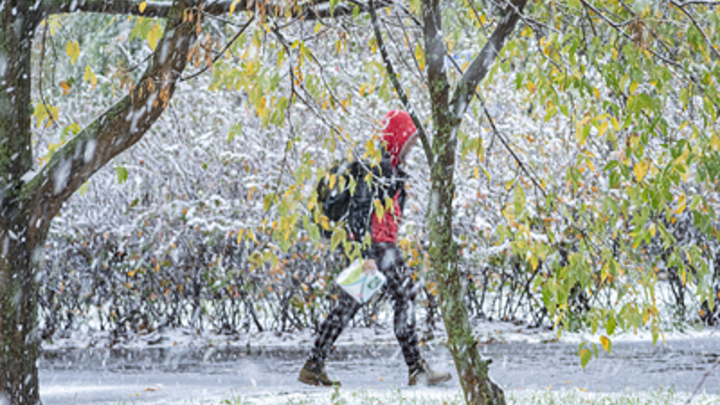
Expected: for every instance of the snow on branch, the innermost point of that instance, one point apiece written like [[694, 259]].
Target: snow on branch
[[311, 10], [397, 85], [480, 66], [120, 127]]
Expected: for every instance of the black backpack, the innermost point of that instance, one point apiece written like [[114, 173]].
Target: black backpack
[[334, 191]]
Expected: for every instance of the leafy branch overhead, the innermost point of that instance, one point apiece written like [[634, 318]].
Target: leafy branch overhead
[[311, 10]]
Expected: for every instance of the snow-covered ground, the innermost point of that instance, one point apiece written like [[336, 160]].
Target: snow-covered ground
[[183, 367]]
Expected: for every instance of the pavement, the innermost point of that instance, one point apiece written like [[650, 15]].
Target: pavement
[[178, 375]]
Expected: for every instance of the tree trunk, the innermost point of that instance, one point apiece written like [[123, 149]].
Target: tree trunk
[[19, 340], [19, 336], [472, 370], [447, 114]]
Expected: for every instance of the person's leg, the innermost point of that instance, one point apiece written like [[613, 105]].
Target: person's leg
[[332, 327], [313, 372], [401, 288]]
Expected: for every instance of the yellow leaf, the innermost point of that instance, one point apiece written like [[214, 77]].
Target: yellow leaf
[[142, 6], [603, 128], [488, 174], [477, 172], [682, 203], [715, 142], [73, 50], [379, 210], [54, 21], [90, 75], [233, 5], [154, 36], [641, 169], [534, 262], [579, 130]]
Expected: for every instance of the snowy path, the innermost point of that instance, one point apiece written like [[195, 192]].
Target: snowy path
[[181, 375]]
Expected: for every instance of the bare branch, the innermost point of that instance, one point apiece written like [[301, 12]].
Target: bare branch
[[312, 10], [709, 43], [118, 128], [398, 86], [152, 8], [40, 80], [703, 2], [702, 381], [220, 54], [527, 169]]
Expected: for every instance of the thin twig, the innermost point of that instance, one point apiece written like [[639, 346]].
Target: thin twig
[[40, 80], [702, 381], [522, 166], [697, 26], [398, 86], [220, 54]]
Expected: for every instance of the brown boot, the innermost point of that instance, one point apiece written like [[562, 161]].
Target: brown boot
[[423, 373], [314, 374]]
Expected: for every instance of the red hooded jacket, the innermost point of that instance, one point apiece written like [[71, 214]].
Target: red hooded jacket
[[398, 130]]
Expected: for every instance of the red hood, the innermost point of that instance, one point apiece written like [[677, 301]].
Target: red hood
[[398, 129]]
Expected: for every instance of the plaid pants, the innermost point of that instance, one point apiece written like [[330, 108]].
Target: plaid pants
[[389, 260]]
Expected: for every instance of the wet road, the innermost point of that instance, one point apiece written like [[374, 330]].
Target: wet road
[[180, 375]]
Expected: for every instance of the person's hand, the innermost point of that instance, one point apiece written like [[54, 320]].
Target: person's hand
[[369, 267]]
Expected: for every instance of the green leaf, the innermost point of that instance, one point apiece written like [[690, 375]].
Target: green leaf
[[585, 356], [122, 174], [235, 130], [610, 326], [83, 189], [337, 237]]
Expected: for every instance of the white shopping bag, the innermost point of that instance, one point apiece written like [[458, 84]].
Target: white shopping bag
[[360, 285]]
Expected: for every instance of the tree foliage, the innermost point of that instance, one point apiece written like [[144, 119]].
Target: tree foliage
[[570, 184]]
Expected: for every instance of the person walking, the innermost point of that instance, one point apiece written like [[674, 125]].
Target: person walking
[[398, 137]]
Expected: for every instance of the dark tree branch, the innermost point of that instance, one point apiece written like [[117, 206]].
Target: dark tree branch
[[313, 10], [480, 66], [709, 43], [699, 2], [528, 171], [702, 381], [222, 51], [398, 86], [118, 128], [40, 79], [152, 9]]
